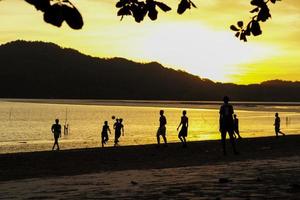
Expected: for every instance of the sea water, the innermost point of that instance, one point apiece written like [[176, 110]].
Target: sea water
[[25, 126]]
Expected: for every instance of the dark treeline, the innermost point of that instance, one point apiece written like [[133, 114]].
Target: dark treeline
[[45, 70]]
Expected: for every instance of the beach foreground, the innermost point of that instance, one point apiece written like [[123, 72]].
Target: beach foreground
[[266, 168]]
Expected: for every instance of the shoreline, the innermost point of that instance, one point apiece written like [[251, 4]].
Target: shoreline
[[155, 103], [142, 157]]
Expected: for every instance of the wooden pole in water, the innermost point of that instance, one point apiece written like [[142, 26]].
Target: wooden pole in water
[[10, 111]]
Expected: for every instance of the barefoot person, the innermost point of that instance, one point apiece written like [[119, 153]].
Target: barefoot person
[[236, 127], [184, 123], [277, 125], [56, 130], [226, 124], [162, 128], [104, 133]]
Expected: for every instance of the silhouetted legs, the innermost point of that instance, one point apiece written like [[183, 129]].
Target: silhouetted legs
[[232, 140], [237, 132], [117, 136], [55, 143], [183, 140], [164, 138], [161, 132], [104, 140], [278, 131]]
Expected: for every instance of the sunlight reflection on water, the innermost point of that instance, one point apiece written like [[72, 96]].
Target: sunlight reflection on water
[[26, 126]]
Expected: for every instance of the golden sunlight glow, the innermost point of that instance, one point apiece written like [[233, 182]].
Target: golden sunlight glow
[[198, 42], [213, 54]]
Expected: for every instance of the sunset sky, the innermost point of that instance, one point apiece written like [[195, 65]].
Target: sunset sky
[[199, 41]]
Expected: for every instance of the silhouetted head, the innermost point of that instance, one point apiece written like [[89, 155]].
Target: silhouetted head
[[226, 99], [105, 122], [276, 114], [117, 119], [56, 121], [184, 112], [120, 120], [161, 112]]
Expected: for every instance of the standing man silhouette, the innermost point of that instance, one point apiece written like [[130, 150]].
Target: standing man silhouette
[[277, 125], [226, 124], [56, 130], [162, 128]]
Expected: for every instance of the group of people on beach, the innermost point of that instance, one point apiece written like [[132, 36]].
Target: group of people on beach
[[228, 123], [118, 126]]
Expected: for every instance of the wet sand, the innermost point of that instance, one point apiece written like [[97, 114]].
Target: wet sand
[[267, 168]]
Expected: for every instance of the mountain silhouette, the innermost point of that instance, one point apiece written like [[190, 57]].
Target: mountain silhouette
[[45, 70]]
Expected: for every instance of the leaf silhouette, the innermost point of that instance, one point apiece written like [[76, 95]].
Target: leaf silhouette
[[243, 37], [255, 10], [193, 4], [122, 3], [258, 3], [263, 14], [42, 5], [255, 28], [124, 11], [240, 24], [54, 15], [152, 14], [139, 11], [183, 5], [72, 17], [163, 6], [234, 28]]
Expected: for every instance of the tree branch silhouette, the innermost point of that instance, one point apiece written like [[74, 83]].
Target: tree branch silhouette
[[261, 14], [58, 11]]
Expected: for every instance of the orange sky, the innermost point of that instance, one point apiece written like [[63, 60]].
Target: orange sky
[[199, 41]]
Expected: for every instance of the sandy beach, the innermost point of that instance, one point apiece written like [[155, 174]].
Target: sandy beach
[[267, 168]]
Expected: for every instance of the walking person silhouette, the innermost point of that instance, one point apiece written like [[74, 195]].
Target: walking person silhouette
[[56, 130], [184, 123], [236, 127], [104, 133], [162, 128], [226, 124], [277, 125]]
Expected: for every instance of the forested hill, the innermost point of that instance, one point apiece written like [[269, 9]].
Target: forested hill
[[45, 70]]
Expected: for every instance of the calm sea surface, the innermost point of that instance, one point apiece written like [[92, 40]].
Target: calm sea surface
[[25, 126]]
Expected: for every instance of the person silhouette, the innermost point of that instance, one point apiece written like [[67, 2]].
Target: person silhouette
[[277, 125], [118, 126], [56, 130], [236, 127], [161, 131], [121, 126], [184, 123], [226, 124], [104, 133]]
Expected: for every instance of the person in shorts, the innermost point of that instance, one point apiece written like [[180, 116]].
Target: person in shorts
[[56, 130], [277, 125], [104, 133], [226, 124], [162, 128]]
